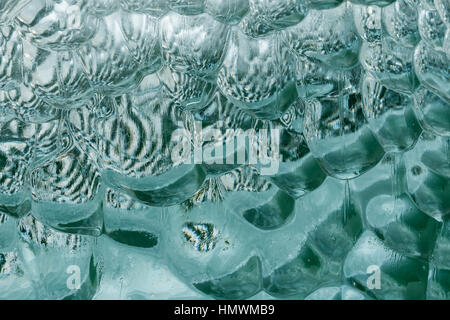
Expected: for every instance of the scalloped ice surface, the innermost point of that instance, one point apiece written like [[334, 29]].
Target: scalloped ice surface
[[224, 149]]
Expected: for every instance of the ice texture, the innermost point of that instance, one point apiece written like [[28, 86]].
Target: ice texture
[[225, 149]]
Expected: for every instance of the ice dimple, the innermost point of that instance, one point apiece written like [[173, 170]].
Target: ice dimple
[[388, 112], [328, 35], [194, 44], [432, 111], [57, 25], [256, 77]]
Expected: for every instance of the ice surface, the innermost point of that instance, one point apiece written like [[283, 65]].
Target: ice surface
[[428, 175], [325, 228], [337, 293], [401, 277], [224, 149]]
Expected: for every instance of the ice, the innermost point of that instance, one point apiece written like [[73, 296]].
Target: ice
[[227, 11], [187, 7], [315, 79], [221, 125], [14, 282], [299, 172], [8, 233], [216, 254], [186, 90], [51, 257], [107, 60], [22, 146], [431, 28], [412, 236], [247, 275], [254, 27], [428, 175], [57, 25], [136, 153], [441, 257], [432, 111], [15, 155], [70, 182], [337, 293], [141, 34], [443, 8], [368, 22], [194, 44], [295, 171], [328, 35], [247, 66], [432, 69], [326, 227], [55, 78], [130, 222], [9, 9], [102, 7], [401, 277], [378, 3], [439, 274], [29, 107], [156, 8], [380, 196], [323, 4], [438, 284], [224, 149], [266, 209], [131, 273], [400, 22], [213, 250], [336, 131], [11, 60], [389, 112], [390, 63], [278, 14]]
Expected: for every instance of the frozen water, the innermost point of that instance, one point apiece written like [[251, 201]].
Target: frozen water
[[49, 257], [325, 228], [401, 277], [337, 293], [389, 112], [224, 149], [381, 196], [428, 175], [336, 131], [328, 35], [432, 111], [256, 77]]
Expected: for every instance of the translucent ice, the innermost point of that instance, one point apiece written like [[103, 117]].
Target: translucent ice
[[428, 175], [256, 77], [224, 149], [389, 112], [401, 277]]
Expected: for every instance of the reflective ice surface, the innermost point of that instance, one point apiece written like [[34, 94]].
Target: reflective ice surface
[[225, 149]]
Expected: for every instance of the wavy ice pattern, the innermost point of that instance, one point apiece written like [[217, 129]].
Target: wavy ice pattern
[[225, 149]]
